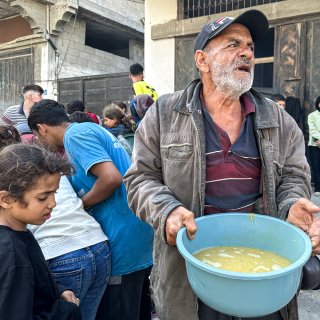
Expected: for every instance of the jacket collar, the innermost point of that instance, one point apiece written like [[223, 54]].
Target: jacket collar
[[265, 117]]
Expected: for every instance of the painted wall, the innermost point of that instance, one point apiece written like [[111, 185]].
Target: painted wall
[[14, 28], [159, 54]]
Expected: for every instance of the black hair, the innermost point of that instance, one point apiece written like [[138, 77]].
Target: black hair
[[47, 112], [75, 105], [317, 103], [277, 97], [8, 135], [32, 87], [80, 117], [122, 106], [136, 69], [113, 112], [22, 165]]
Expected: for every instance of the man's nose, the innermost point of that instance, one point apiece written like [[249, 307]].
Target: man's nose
[[246, 53]]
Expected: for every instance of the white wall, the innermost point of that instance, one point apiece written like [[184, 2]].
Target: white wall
[[159, 54]]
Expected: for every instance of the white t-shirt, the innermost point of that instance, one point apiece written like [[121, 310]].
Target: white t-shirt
[[70, 227]]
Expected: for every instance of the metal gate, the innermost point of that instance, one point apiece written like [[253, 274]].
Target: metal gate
[[96, 91], [16, 70]]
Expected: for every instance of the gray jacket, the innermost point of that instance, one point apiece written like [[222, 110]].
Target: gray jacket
[[169, 170]]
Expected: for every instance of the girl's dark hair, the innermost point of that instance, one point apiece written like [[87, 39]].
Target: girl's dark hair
[[113, 112], [122, 105], [317, 103], [8, 135], [22, 165]]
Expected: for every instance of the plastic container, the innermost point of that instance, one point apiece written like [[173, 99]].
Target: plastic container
[[245, 294]]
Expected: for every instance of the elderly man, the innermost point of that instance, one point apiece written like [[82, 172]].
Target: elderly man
[[218, 146]]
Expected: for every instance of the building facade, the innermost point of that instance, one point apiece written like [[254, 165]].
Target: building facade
[[46, 41], [287, 58]]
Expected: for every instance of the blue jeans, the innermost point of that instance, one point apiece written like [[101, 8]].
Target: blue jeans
[[86, 272]]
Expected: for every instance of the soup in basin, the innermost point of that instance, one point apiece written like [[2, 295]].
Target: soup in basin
[[242, 259]]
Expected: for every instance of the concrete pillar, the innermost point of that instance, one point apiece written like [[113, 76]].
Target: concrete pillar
[[159, 54]]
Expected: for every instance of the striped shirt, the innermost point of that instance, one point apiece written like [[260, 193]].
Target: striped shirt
[[233, 170], [14, 115]]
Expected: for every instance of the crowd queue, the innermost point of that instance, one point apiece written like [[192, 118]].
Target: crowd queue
[[88, 223]]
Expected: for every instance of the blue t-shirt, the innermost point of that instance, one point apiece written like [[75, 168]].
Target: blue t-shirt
[[130, 239]]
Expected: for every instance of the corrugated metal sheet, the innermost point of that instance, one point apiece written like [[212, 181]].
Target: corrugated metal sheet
[[96, 91]]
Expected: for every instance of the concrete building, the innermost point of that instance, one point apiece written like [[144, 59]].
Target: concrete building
[[45, 41], [287, 58]]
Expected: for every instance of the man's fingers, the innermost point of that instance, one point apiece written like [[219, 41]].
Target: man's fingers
[[191, 227], [308, 205], [172, 232]]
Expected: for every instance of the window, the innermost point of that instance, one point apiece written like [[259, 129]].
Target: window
[[199, 8], [107, 38], [263, 71]]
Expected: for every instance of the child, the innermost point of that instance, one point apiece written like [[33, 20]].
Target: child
[[30, 176], [8, 135], [116, 121], [139, 85], [139, 106]]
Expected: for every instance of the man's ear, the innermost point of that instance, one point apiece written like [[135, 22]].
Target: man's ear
[[130, 76], [42, 130], [85, 111], [5, 200], [202, 63], [30, 96]]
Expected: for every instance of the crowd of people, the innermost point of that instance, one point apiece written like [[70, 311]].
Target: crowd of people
[[89, 233], [98, 252]]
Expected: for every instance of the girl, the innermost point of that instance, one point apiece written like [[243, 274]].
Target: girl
[[30, 176], [116, 121]]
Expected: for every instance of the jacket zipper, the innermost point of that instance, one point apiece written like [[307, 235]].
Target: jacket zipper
[[262, 171], [199, 180]]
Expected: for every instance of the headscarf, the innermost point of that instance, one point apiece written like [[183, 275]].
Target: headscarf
[[142, 103]]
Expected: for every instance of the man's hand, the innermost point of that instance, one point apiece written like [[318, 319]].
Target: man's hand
[[302, 215], [69, 296], [318, 142], [178, 218]]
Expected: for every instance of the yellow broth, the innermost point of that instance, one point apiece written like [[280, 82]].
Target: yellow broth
[[242, 259]]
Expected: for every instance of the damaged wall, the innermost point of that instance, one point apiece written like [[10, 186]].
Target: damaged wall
[[83, 60]]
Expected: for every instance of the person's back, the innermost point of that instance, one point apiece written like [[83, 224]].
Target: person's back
[[139, 86], [70, 227], [113, 214]]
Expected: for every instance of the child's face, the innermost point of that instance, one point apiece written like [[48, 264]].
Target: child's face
[[40, 204], [110, 123]]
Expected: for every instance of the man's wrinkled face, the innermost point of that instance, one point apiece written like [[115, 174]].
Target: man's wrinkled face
[[231, 60]]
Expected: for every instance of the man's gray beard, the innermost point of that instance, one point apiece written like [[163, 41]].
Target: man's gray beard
[[222, 76]]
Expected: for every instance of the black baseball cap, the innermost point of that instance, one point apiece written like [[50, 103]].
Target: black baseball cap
[[253, 19]]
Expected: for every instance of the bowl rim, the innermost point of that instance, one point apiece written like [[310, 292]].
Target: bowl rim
[[246, 276]]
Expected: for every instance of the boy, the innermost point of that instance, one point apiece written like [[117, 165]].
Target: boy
[[139, 85], [101, 162]]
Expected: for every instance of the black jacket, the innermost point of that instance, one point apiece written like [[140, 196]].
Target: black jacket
[[28, 290]]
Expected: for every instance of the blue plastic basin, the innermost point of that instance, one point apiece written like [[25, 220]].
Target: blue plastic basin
[[245, 294]]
